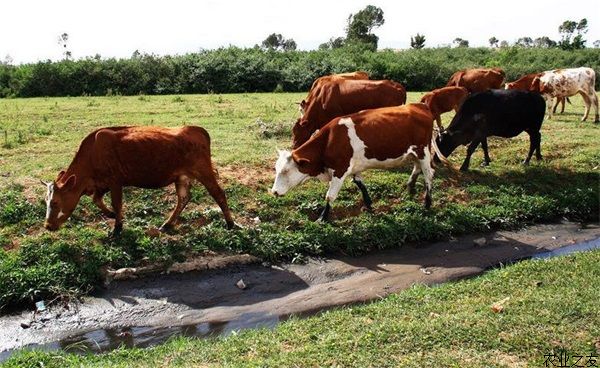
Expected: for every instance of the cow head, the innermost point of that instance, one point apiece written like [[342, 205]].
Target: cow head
[[287, 172], [447, 142], [301, 132], [61, 199]]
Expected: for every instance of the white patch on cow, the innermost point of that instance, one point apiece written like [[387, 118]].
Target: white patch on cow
[[287, 174], [359, 162], [49, 197]]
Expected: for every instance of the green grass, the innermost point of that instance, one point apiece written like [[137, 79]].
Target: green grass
[[553, 307], [42, 135]]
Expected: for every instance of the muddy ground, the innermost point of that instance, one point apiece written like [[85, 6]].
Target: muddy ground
[[147, 310]]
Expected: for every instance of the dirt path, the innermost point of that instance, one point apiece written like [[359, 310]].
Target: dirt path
[[144, 311]]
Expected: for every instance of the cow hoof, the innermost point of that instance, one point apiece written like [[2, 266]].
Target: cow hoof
[[484, 164], [232, 225], [412, 190], [165, 228], [525, 163], [464, 168], [110, 215], [368, 209], [116, 232]]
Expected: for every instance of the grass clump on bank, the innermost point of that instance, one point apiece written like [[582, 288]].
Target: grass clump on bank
[[35, 264], [552, 308]]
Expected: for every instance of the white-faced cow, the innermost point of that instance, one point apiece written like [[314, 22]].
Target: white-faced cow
[[497, 112], [347, 146], [566, 83], [109, 159], [341, 97]]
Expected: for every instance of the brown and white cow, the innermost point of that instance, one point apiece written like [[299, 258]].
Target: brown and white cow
[[315, 89], [524, 84], [477, 80], [566, 83], [109, 159], [444, 99], [348, 145], [342, 97]]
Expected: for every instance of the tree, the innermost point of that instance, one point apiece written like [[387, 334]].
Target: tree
[[597, 43], [333, 43], [544, 42], [275, 41], [524, 42], [572, 34], [493, 41], [504, 44], [460, 42], [417, 42], [8, 60], [63, 41], [362, 23]]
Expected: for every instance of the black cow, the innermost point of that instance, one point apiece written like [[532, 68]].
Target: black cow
[[496, 112]]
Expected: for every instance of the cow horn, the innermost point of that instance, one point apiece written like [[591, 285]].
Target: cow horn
[[45, 183]]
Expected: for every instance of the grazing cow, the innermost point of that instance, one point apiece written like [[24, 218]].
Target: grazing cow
[[315, 89], [499, 112], [477, 80], [524, 84], [444, 99], [109, 159], [343, 97], [566, 83], [348, 145]]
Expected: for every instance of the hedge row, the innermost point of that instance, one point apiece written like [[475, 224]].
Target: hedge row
[[232, 69]]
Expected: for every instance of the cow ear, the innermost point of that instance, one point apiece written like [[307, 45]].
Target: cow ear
[[302, 162], [535, 85], [60, 175], [70, 183], [303, 123]]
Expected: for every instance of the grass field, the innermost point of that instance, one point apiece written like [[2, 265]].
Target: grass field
[[38, 138], [552, 310]]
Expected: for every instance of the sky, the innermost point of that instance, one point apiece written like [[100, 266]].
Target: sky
[[29, 29]]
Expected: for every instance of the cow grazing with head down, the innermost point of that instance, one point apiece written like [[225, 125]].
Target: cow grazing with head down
[[524, 84], [315, 89], [477, 80], [502, 113], [342, 97], [348, 145], [444, 99], [109, 159], [566, 83]]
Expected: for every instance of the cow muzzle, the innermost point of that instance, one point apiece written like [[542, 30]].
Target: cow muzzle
[[50, 227]]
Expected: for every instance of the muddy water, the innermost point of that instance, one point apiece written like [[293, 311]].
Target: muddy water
[[147, 311]]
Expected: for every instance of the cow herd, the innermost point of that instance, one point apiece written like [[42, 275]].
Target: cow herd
[[348, 124]]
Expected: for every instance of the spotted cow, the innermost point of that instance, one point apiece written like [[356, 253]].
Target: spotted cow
[[566, 83], [370, 139], [524, 84]]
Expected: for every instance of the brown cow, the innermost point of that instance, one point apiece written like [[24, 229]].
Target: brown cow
[[525, 84], [370, 139], [315, 89], [109, 159], [444, 99], [342, 97], [477, 80]]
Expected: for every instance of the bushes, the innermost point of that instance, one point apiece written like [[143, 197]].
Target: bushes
[[234, 70]]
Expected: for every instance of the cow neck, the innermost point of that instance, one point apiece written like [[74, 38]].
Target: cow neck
[[81, 167], [313, 150]]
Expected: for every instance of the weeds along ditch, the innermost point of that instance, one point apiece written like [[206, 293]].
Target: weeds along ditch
[[245, 129]]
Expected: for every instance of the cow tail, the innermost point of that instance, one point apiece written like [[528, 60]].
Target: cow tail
[[437, 152]]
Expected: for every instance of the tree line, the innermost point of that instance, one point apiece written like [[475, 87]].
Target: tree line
[[235, 70]]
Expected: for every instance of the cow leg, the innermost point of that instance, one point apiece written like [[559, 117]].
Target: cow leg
[[116, 198], [588, 102], [534, 145], [562, 104], [182, 188], [594, 100], [486, 154], [97, 199], [470, 150], [357, 179], [549, 102], [425, 165], [334, 188], [438, 120], [214, 189], [556, 105], [413, 178]]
